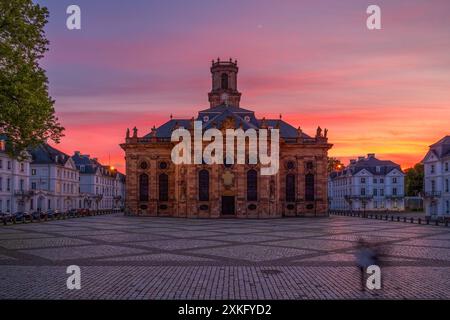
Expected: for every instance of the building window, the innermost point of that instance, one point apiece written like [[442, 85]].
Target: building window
[[309, 165], [1, 167], [252, 185], [309, 187], [394, 191], [1, 187], [448, 206], [381, 180], [9, 165], [203, 185], [33, 172], [163, 165], [363, 180], [363, 191], [433, 186], [446, 166], [22, 167], [446, 185], [432, 168], [163, 187], [143, 187], [33, 185], [290, 188], [382, 192], [375, 192], [8, 184], [394, 180], [224, 81], [375, 181], [22, 183]]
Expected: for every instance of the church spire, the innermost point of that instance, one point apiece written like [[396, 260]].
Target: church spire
[[224, 83]]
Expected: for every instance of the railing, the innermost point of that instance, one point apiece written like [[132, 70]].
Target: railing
[[432, 194], [23, 193]]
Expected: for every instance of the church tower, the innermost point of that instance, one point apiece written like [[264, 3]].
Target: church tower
[[224, 84]]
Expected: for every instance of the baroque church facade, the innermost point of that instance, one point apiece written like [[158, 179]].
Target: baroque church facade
[[158, 187]]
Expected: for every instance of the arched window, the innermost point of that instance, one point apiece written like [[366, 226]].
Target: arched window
[[252, 185], [163, 187], [290, 188], [309, 187], [224, 78], [203, 185], [143, 187]]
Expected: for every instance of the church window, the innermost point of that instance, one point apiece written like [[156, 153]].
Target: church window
[[143, 187], [309, 165], [252, 185], [163, 165], [224, 80], [203, 185], [163, 187], [290, 188], [143, 165], [247, 119], [290, 165], [309, 187]]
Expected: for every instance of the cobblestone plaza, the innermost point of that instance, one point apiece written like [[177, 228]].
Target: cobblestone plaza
[[170, 258]]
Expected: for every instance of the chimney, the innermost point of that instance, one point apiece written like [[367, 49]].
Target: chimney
[[360, 158], [77, 153], [371, 155]]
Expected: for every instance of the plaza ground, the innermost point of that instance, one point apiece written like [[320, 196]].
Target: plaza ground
[[167, 258]]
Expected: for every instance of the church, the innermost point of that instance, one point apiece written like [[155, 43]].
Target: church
[[156, 186]]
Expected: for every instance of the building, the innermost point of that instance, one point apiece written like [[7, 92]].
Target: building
[[54, 180], [158, 187], [367, 184], [437, 179], [15, 194], [101, 187]]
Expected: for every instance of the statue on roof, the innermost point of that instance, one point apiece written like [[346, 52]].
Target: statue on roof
[[135, 130], [319, 132]]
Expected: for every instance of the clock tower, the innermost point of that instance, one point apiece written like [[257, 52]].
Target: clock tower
[[224, 84]]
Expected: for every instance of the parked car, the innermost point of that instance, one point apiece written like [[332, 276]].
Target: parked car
[[22, 216], [6, 217], [53, 214], [39, 215], [72, 213]]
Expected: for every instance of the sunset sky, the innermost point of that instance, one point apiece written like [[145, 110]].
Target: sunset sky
[[133, 64]]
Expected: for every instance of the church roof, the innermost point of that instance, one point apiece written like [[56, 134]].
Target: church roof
[[214, 117]]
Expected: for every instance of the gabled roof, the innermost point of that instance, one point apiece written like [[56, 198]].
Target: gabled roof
[[46, 154]]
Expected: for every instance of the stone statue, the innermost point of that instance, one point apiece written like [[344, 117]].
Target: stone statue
[[135, 130], [319, 132], [300, 132], [128, 133], [325, 133]]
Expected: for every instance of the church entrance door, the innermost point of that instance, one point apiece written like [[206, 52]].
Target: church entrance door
[[228, 206]]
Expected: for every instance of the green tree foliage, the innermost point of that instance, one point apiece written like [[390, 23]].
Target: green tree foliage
[[27, 116], [334, 164], [414, 180]]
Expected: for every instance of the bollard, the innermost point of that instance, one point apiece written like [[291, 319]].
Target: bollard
[[392, 218], [446, 223], [420, 221], [412, 220], [437, 222], [398, 219], [428, 221], [404, 219]]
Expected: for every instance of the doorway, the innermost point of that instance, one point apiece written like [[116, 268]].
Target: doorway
[[228, 206]]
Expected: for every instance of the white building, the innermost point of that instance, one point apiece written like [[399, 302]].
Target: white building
[[15, 194], [437, 179], [102, 187], [367, 184], [54, 180]]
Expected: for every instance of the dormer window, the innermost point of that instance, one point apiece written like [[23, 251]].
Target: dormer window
[[205, 119], [378, 168], [247, 119]]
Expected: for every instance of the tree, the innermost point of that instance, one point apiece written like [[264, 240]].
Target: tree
[[27, 116], [334, 164], [414, 180]]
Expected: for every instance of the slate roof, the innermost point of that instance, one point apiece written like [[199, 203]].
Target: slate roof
[[91, 165], [369, 164], [46, 154], [219, 114], [442, 147]]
